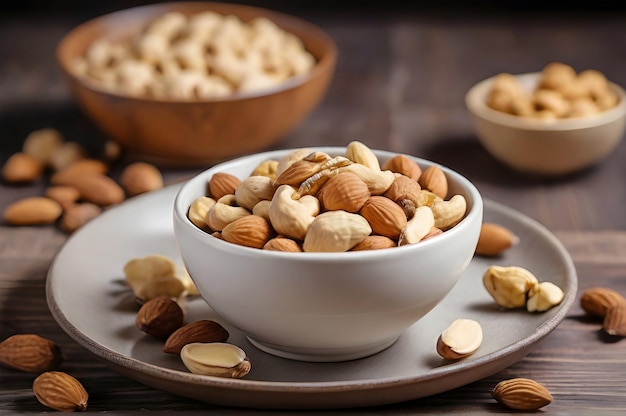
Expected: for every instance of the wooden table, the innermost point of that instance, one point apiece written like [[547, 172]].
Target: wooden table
[[399, 85]]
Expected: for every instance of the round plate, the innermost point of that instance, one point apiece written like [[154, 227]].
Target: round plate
[[88, 298]]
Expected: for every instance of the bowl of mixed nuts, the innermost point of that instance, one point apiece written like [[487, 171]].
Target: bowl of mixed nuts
[[192, 83], [553, 122], [326, 254]]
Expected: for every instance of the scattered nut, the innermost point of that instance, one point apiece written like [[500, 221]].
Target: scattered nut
[[160, 317], [461, 339], [509, 286], [140, 177], [199, 331], [522, 394], [614, 323], [60, 391], [21, 168], [35, 210], [494, 239], [544, 296], [30, 353], [215, 359], [153, 276], [41, 144], [76, 215], [597, 301]]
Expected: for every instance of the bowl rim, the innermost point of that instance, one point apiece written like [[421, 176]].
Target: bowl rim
[[475, 101], [325, 63], [475, 209]]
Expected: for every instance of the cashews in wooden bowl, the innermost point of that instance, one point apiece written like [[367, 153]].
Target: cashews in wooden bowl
[[321, 304], [191, 83]]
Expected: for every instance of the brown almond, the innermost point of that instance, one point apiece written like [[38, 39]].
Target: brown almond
[[21, 168], [345, 191], [36, 210], [404, 165], [404, 188], [384, 216], [614, 322], [280, 243], [250, 231], [434, 180], [222, 183], [76, 215], [140, 177], [597, 300], [64, 195], [375, 242], [494, 239], [199, 331], [297, 173], [60, 391], [93, 187], [522, 394], [30, 353], [81, 166], [66, 154], [160, 317]]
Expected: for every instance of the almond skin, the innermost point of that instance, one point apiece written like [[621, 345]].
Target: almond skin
[[494, 239], [404, 165], [384, 216], [375, 242], [93, 187], [199, 331], [250, 231], [60, 391], [522, 394], [345, 191], [435, 181], [29, 353], [36, 210], [21, 168], [597, 300], [76, 215], [614, 323], [282, 244], [160, 317], [221, 184], [140, 177]]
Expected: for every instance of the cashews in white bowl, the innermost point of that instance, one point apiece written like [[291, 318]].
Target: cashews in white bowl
[[316, 306]]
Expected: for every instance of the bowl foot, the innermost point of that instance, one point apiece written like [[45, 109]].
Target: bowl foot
[[323, 354]]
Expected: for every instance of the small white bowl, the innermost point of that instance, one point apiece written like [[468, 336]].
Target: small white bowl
[[324, 306], [557, 147]]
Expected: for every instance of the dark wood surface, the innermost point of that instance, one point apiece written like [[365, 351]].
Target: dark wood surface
[[399, 86]]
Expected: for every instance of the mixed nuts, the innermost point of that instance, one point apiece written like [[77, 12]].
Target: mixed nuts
[[313, 202]]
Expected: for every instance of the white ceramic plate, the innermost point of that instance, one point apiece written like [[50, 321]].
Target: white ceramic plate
[[87, 297]]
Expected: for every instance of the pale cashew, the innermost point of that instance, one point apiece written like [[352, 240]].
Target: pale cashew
[[252, 190], [224, 212], [544, 296], [198, 211], [336, 231], [262, 209], [449, 213], [509, 286], [377, 181], [359, 153], [417, 227], [291, 217]]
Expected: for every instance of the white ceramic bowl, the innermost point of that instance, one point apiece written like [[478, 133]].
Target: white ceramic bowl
[[547, 148], [323, 306]]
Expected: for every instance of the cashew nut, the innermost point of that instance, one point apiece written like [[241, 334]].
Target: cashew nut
[[252, 190], [449, 213], [417, 227], [225, 211], [292, 217], [358, 152], [336, 231]]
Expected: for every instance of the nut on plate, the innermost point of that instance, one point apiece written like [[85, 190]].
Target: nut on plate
[[461, 339], [200, 331], [215, 359], [160, 317], [509, 286], [494, 239]]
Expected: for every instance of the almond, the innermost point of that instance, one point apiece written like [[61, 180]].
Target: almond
[[494, 239], [434, 180], [298, 172], [80, 167], [250, 231], [140, 177], [384, 216], [93, 187], [345, 191], [30, 353], [404, 165], [60, 391], [21, 168], [66, 154], [76, 215], [40, 144], [221, 184], [522, 394], [614, 322], [36, 210], [280, 243], [374, 242], [160, 317], [461, 339], [596, 301], [199, 331], [64, 195], [404, 188]]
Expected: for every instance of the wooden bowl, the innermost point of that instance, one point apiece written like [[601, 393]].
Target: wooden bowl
[[198, 132]]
